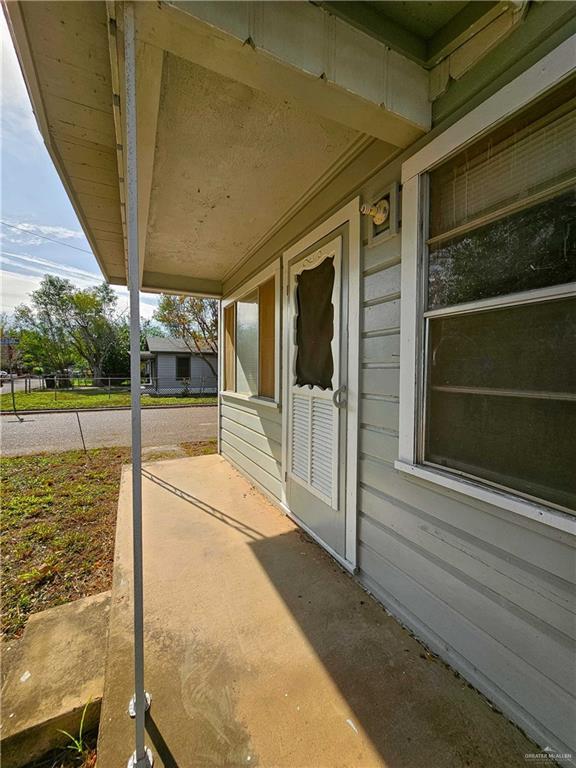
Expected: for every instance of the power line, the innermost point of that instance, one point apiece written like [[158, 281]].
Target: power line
[[51, 239]]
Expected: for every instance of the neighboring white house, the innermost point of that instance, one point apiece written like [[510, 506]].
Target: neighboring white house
[[383, 197], [170, 367]]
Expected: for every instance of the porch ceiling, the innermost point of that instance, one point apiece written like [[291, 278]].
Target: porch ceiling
[[230, 162], [424, 19], [245, 111]]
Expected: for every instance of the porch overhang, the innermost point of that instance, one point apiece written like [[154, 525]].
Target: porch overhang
[[245, 111], [63, 53]]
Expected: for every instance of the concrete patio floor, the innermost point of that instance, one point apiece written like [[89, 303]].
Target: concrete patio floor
[[261, 651]]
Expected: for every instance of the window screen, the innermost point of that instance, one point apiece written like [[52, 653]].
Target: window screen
[[533, 248], [500, 385], [247, 345], [502, 397], [315, 326]]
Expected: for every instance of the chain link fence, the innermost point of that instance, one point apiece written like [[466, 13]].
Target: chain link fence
[[57, 391], [167, 387], [199, 385]]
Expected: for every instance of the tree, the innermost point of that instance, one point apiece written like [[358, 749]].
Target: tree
[[41, 337], [116, 360], [89, 318], [194, 321], [149, 328], [72, 323]]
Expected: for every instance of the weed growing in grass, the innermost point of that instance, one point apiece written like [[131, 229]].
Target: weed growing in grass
[[77, 744], [41, 531]]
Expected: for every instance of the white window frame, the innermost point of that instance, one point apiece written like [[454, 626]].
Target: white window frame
[[533, 83], [272, 270]]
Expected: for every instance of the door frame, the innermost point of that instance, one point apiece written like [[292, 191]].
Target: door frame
[[349, 214]]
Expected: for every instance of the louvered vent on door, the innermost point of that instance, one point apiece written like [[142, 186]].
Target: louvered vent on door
[[300, 437], [321, 454]]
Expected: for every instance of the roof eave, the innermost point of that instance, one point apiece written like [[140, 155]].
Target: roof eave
[[17, 28]]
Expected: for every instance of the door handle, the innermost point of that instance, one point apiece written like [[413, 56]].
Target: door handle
[[339, 397]]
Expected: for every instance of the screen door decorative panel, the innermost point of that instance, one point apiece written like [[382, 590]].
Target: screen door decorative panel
[[314, 373]]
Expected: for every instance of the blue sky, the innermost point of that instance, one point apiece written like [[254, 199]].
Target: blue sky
[[33, 200]]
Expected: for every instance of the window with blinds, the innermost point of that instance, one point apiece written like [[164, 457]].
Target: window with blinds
[[528, 158], [250, 343], [499, 399]]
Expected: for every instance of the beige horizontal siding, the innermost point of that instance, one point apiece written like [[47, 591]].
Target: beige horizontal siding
[[380, 382], [381, 348], [543, 552], [496, 670], [251, 436], [383, 316]]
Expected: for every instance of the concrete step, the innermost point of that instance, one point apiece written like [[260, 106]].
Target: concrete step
[[10, 653], [53, 672]]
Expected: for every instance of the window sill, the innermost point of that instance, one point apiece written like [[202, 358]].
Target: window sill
[[562, 521], [255, 399]]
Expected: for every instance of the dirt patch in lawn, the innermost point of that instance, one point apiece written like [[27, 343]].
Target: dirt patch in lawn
[[58, 527], [200, 449]]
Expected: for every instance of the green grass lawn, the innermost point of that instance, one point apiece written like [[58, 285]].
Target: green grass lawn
[[58, 527], [58, 522], [91, 398]]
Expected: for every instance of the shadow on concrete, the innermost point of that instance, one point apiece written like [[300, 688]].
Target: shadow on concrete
[[161, 748], [233, 522], [368, 663], [413, 710]]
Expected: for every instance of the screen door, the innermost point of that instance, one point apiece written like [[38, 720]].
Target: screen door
[[317, 393]]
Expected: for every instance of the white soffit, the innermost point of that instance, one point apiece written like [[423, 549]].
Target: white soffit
[[230, 163]]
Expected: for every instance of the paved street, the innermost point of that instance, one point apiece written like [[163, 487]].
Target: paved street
[[59, 431]]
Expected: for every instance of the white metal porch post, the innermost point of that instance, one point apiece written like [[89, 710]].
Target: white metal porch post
[[142, 757]]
